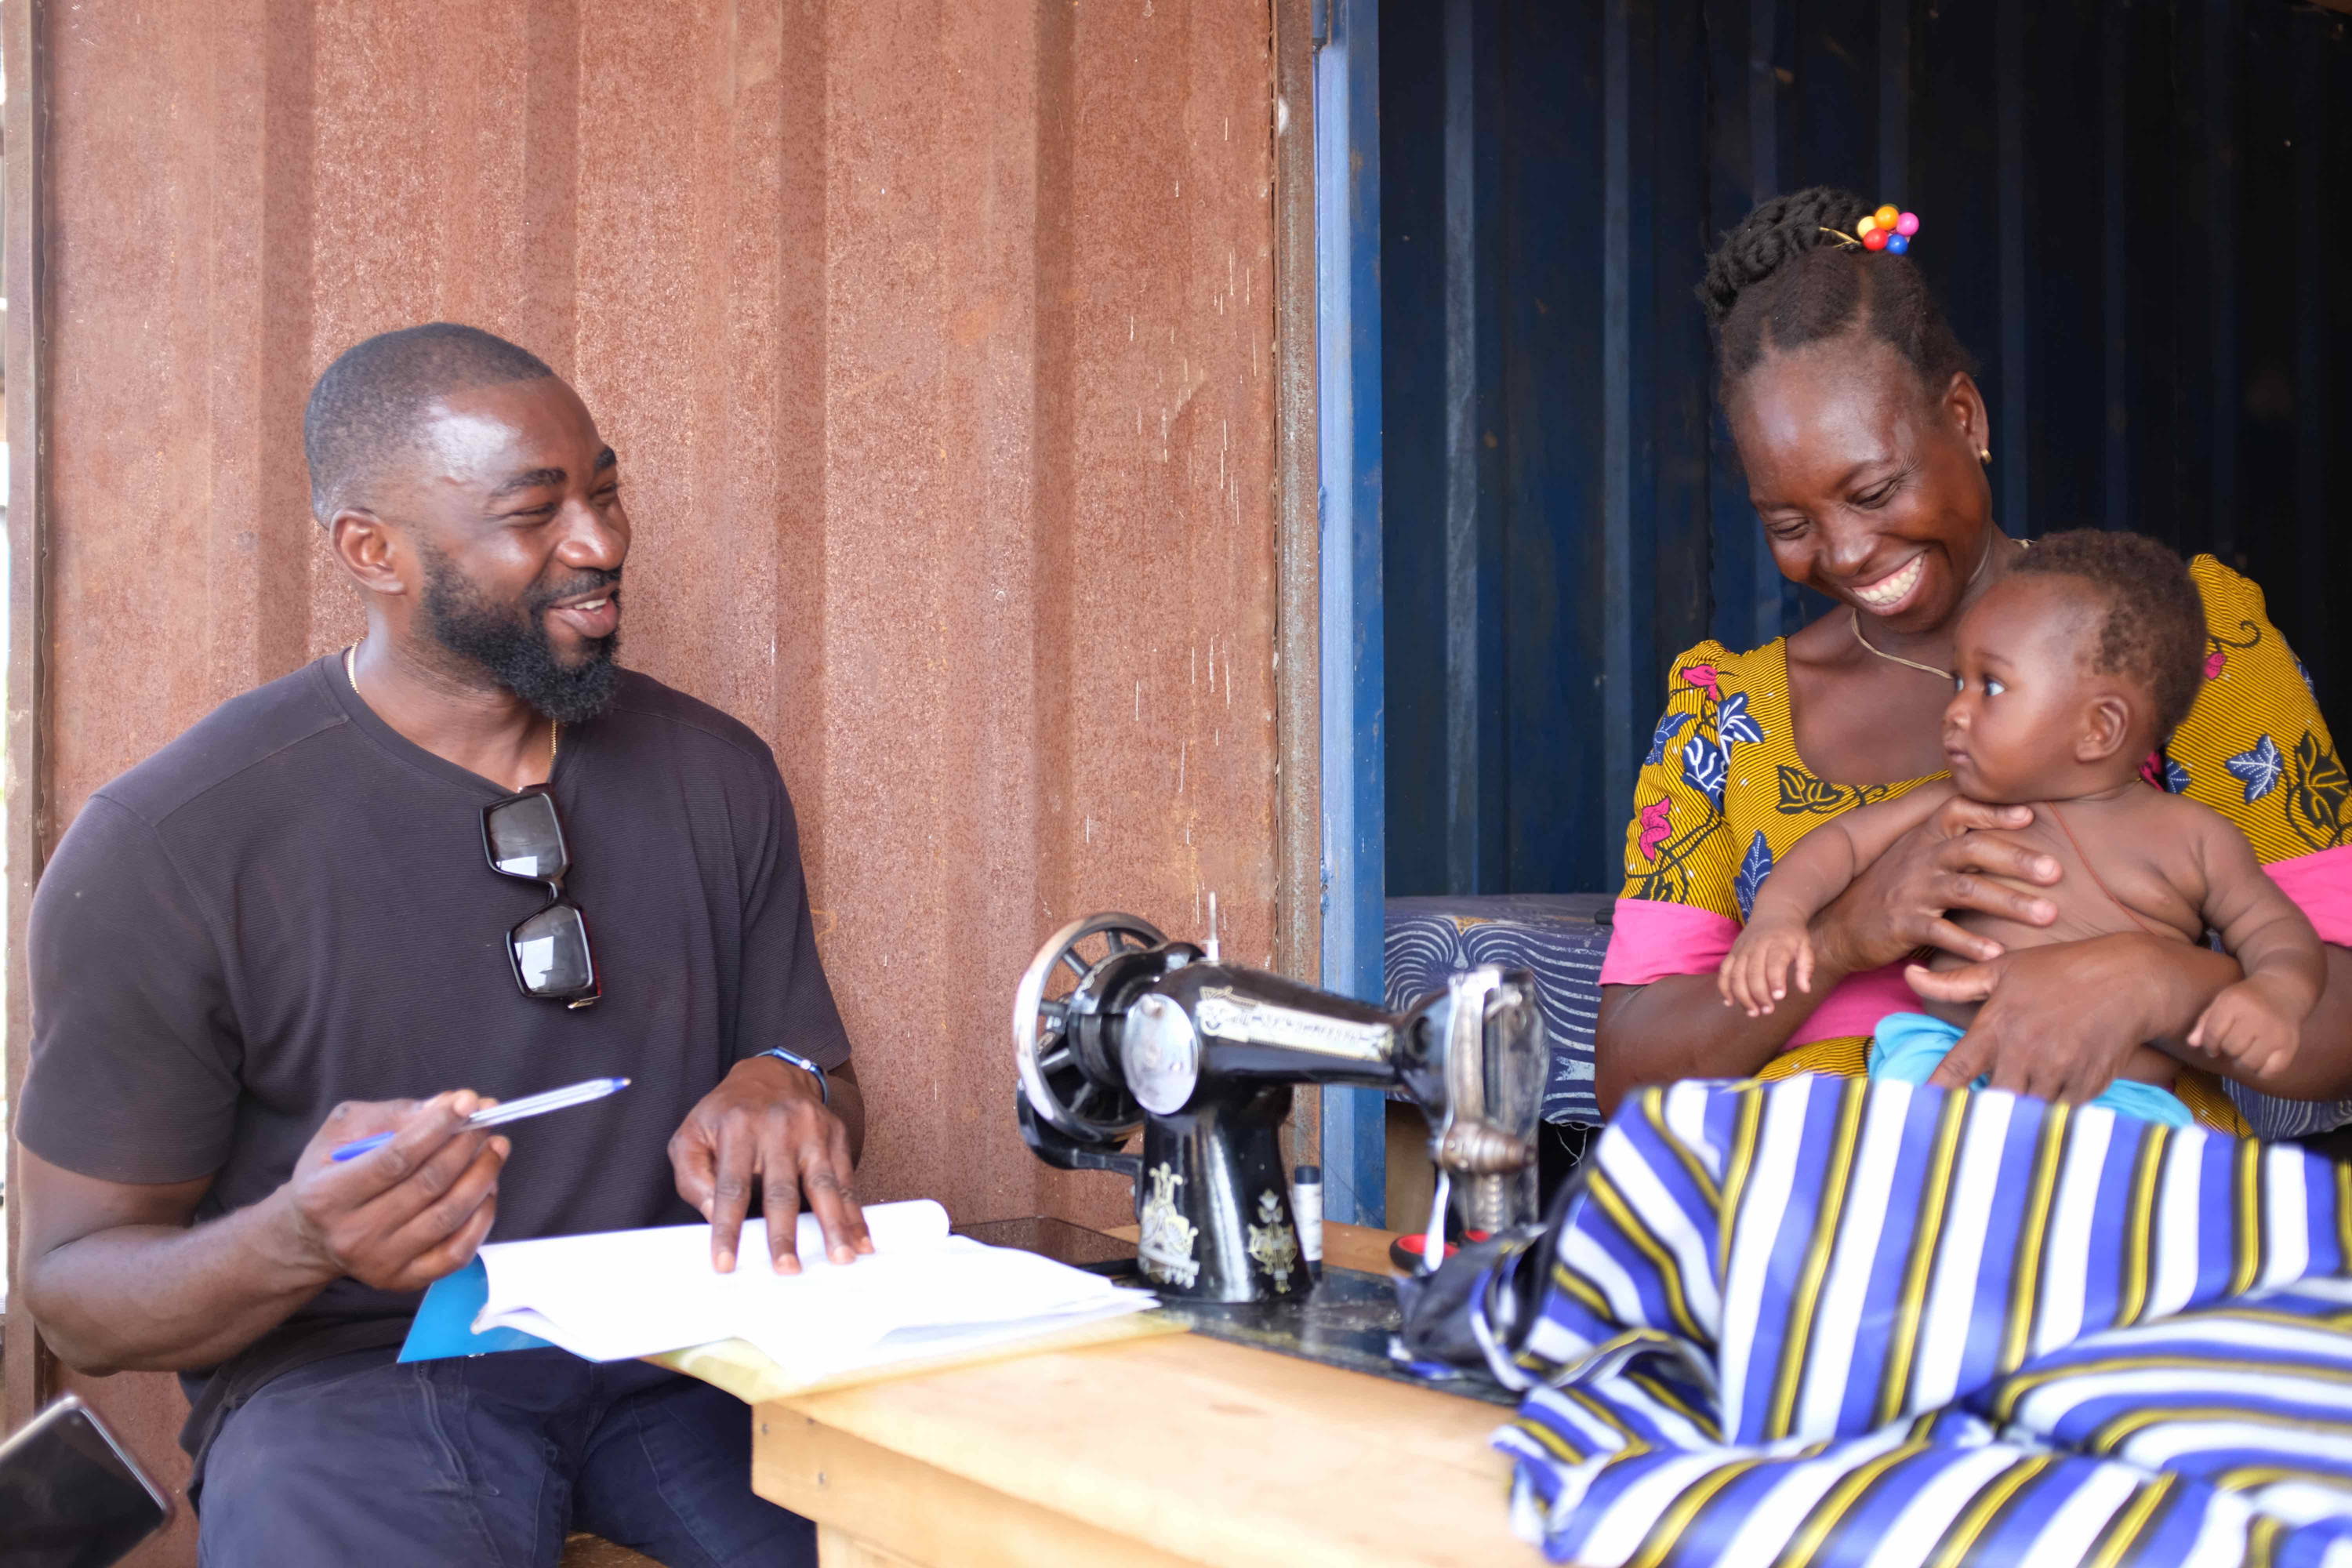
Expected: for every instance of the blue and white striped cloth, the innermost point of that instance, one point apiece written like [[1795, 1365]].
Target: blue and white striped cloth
[[1857, 1324]]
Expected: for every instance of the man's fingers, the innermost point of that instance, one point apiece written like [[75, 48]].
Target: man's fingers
[[454, 1207], [828, 1198], [418, 1132], [730, 1198], [853, 1215], [455, 1252], [779, 1200], [694, 1168], [425, 1184]]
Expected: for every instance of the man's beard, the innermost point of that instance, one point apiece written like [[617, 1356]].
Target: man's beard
[[511, 641]]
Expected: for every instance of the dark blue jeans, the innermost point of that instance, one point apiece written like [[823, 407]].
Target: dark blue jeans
[[488, 1459]]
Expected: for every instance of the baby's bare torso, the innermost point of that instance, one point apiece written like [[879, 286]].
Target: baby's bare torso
[[2143, 846]]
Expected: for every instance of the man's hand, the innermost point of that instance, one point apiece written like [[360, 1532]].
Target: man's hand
[[767, 1118], [403, 1216]]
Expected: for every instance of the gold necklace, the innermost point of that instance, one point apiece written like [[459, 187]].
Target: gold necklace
[[1854, 619], [351, 674]]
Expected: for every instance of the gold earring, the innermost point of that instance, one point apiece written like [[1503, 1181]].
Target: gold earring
[[1984, 456]]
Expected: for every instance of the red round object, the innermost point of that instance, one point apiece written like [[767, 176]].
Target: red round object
[[1875, 239], [1405, 1251]]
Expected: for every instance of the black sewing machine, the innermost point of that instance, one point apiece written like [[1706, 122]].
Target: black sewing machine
[[1116, 1027]]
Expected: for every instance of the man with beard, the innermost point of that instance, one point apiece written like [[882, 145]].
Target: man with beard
[[253, 948]]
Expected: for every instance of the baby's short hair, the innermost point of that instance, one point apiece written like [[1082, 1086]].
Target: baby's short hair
[[2155, 626]]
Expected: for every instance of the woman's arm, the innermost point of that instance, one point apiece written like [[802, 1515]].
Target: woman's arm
[[1677, 1026], [2323, 1069]]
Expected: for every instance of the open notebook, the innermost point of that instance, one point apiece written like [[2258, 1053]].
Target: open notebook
[[922, 1295]]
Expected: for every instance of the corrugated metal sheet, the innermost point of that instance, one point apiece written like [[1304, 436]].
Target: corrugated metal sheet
[[937, 338], [2134, 210]]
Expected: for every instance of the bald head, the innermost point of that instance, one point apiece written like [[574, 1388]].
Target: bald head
[[368, 406]]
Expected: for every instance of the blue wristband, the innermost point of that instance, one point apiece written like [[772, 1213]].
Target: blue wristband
[[823, 1088]]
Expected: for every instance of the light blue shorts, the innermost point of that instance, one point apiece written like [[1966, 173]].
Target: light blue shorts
[[1909, 1045]]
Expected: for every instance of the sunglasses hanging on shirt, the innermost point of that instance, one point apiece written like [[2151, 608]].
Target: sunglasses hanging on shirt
[[523, 837]]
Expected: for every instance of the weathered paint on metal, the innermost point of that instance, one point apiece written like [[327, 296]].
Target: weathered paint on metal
[[937, 339], [24, 1379], [1298, 663]]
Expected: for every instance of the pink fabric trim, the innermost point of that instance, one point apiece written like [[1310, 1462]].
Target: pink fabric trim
[[2321, 886], [1856, 1006], [1653, 939]]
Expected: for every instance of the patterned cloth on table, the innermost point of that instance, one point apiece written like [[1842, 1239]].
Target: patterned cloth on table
[[1724, 793], [1838, 1323], [1556, 937]]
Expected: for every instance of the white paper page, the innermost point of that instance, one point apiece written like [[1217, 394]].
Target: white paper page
[[631, 1293], [624, 1293]]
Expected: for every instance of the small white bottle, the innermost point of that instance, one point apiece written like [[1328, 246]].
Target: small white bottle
[[1306, 1208]]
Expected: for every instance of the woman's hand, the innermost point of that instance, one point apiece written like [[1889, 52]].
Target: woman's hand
[[1902, 901], [2057, 1022]]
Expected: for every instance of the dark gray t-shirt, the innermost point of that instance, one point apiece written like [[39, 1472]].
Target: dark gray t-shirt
[[289, 907]]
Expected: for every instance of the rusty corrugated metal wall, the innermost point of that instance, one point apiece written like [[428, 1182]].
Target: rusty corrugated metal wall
[[936, 336]]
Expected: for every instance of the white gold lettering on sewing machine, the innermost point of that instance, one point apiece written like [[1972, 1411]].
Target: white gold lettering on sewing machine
[[1272, 1245], [1164, 1247], [1227, 1015]]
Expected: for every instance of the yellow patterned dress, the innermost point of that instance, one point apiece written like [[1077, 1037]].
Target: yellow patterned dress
[[1722, 794]]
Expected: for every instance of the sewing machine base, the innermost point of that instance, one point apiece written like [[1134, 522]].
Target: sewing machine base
[[1345, 1321]]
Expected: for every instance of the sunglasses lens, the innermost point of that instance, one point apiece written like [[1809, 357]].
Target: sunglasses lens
[[525, 840], [550, 953]]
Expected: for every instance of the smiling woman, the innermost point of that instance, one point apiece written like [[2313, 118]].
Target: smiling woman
[[1865, 441]]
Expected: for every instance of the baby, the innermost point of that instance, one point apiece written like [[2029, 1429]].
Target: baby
[[2071, 669]]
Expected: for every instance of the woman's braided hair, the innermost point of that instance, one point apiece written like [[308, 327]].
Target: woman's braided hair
[[1781, 280]]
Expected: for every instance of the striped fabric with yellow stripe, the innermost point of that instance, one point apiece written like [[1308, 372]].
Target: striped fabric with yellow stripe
[[1896, 1388], [2161, 1397]]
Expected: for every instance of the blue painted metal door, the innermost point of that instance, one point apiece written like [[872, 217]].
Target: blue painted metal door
[[1349, 328]]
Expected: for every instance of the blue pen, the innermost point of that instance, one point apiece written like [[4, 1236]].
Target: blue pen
[[513, 1110]]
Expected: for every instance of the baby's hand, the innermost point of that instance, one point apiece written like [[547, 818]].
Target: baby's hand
[[1757, 970], [2248, 1025]]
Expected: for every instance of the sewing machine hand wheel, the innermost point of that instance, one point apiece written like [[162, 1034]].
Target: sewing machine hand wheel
[[1053, 1077]]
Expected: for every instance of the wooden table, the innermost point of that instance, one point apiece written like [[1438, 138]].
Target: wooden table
[[1175, 1449]]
